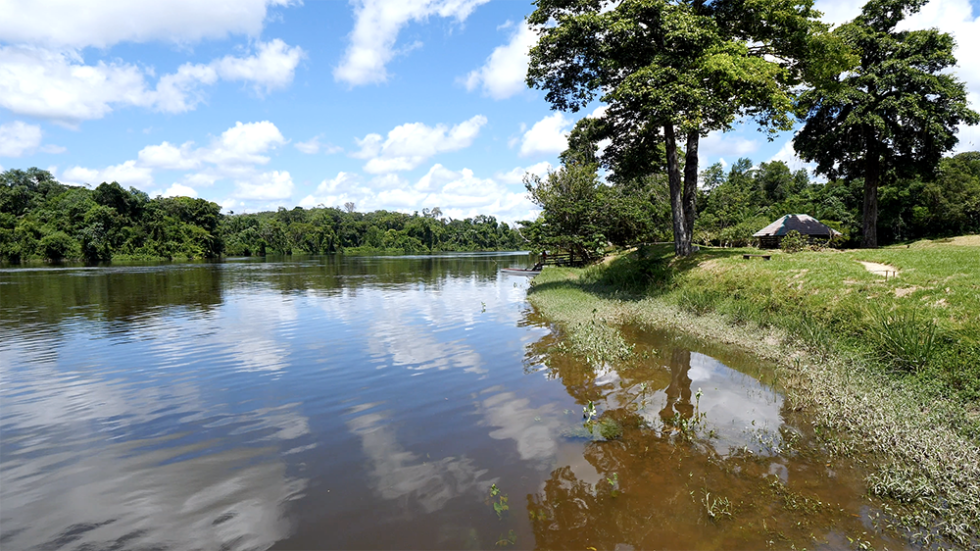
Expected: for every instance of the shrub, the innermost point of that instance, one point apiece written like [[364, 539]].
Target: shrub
[[57, 245], [793, 242]]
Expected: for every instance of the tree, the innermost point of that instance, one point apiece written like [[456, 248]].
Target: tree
[[572, 211], [891, 117], [673, 70]]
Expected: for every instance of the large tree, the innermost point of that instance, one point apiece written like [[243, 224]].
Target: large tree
[[672, 70], [891, 117]]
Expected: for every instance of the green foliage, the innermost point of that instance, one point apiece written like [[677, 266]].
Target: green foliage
[[903, 341], [792, 242], [894, 114], [58, 245], [671, 72], [571, 201], [43, 219]]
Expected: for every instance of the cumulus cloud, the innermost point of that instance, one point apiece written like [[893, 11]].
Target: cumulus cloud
[[376, 27], [726, 144], [60, 86], [516, 176], [266, 186], [59, 24], [788, 155], [241, 145], [502, 76], [234, 155], [126, 174], [409, 145], [18, 138], [271, 68], [548, 136], [458, 193], [178, 190]]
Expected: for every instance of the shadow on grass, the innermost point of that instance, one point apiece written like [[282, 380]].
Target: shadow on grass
[[647, 272]]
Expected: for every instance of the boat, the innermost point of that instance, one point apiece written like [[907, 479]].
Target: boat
[[521, 271]]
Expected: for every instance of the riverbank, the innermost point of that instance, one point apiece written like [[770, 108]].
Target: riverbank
[[888, 364]]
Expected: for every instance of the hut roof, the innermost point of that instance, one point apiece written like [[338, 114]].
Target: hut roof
[[803, 223]]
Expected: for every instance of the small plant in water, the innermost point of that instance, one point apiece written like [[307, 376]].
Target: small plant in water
[[509, 539], [498, 500], [588, 411], [717, 507], [614, 483]]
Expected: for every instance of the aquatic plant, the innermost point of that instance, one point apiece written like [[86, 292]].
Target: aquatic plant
[[500, 503], [717, 507], [588, 411], [509, 539]]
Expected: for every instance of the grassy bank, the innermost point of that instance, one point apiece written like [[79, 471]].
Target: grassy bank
[[889, 367]]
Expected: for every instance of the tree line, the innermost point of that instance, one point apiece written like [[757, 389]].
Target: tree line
[[41, 218], [878, 104]]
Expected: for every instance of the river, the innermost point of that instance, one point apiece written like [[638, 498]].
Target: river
[[383, 402]]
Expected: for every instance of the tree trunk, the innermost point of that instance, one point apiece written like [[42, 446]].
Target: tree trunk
[[872, 175], [691, 183], [682, 241]]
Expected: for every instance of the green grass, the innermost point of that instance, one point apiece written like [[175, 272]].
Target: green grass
[[890, 368]]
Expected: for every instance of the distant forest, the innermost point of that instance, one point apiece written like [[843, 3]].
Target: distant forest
[[41, 218]]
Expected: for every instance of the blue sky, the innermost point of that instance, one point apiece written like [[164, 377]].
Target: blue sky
[[255, 104]]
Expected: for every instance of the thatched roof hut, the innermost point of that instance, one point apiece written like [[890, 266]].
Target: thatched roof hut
[[808, 226]]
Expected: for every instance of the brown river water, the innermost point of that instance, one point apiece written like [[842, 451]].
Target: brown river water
[[384, 403]]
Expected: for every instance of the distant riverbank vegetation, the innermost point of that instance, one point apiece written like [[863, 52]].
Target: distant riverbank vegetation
[[43, 219]]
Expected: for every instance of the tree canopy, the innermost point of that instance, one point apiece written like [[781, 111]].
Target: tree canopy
[[892, 116], [672, 70], [42, 218]]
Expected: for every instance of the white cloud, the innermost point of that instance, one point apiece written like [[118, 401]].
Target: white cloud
[[241, 145], [61, 87], [725, 144], [409, 145], [234, 155], [502, 76], [126, 174], [178, 190], [548, 136], [265, 186], [516, 176], [60, 24], [788, 155], [270, 69], [313, 146], [376, 27], [310, 147], [459, 194], [53, 149], [18, 138]]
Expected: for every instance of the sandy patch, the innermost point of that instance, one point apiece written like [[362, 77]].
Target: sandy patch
[[905, 291], [879, 269], [968, 240]]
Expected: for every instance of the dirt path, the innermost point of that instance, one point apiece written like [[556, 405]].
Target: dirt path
[[880, 269]]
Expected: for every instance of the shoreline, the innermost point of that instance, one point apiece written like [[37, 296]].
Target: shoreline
[[920, 463]]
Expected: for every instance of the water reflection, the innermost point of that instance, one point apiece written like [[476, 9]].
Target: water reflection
[[370, 403], [399, 474]]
